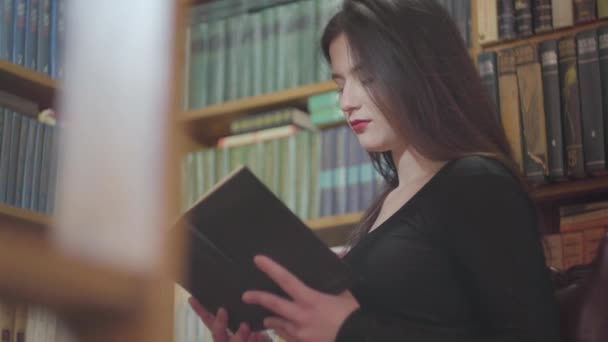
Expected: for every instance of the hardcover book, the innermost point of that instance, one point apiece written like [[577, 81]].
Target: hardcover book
[[236, 220]]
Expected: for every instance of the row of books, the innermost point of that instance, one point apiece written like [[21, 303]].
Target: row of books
[[23, 323], [32, 34], [509, 19], [316, 173], [582, 227], [325, 108], [243, 49], [549, 97], [27, 162]]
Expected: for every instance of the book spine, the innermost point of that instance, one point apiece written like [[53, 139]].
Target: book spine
[[6, 29], [325, 177], [506, 19], [340, 171], [572, 249], [603, 61], [554, 250], [31, 35], [7, 147], [532, 112], [256, 55], [14, 158], [28, 165], [268, 50], [486, 62], [602, 9], [324, 100], [584, 11], [571, 111], [7, 317], [487, 21], [509, 103], [315, 165], [36, 163], [352, 173], [543, 16], [523, 18], [563, 13], [19, 25], [197, 89], [591, 101], [17, 188], [44, 36], [550, 75], [232, 75], [592, 239], [20, 321]]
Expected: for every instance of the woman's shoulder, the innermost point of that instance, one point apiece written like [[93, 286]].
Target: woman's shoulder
[[477, 167]]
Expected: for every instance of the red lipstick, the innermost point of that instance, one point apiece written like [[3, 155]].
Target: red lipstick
[[359, 125]]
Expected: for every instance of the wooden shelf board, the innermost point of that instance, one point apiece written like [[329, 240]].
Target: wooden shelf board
[[212, 122], [10, 213], [27, 84], [334, 230], [571, 190], [34, 272], [539, 37]]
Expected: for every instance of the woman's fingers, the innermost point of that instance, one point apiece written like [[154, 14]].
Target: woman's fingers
[[204, 315], [218, 328], [242, 335]]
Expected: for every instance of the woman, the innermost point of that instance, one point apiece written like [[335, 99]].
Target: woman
[[451, 251]]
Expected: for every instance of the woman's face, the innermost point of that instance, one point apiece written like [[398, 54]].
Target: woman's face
[[373, 130]]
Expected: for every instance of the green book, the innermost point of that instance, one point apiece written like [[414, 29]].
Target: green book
[[245, 65], [233, 31], [256, 54], [216, 62], [306, 32], [325, 9], [315, 168], [197, 68], [323, 101], [269, 49]]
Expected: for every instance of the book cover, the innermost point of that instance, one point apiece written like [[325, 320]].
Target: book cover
[[236, 220], [602, 8]]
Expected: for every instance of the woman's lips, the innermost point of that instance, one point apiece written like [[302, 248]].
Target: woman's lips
[[359, 125]]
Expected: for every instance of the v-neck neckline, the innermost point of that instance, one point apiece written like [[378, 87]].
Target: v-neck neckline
[[412, 200]]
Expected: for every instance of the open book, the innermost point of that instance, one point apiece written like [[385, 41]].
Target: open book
[[236, 220]]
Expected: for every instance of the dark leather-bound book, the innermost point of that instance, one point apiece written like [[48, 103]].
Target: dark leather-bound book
[[236, 220]]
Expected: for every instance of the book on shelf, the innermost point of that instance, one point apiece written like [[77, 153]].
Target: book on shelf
[[236, 220]]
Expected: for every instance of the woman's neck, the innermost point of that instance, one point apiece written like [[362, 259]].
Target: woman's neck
[[412, 168]]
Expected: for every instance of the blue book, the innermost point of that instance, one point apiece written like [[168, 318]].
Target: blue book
[[54, 41], [6, 29], [6, 152], [24, 170], [19, 174], [13, 162], [44, 37], [36, 163], [52, 176], [326, 182], [353, 179], [19, 16], [31, 34]]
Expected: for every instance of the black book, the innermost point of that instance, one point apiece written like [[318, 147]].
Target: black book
[[236, 220], [488, 71], [506, 19]]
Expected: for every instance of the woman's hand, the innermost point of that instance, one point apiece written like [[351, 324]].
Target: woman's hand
[[218, 326], [311, 316]]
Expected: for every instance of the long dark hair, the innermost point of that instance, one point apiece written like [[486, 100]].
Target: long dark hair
[[424, 82]]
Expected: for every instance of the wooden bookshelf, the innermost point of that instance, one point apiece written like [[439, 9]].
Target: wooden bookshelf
[[27, 84], [209, 123], [33, 271], [536, 38]]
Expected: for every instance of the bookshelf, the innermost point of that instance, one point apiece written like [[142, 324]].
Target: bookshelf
[[99, 301], [27, 84]]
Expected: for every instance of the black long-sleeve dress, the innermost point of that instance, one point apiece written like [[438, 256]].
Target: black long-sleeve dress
[[461, 261]]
